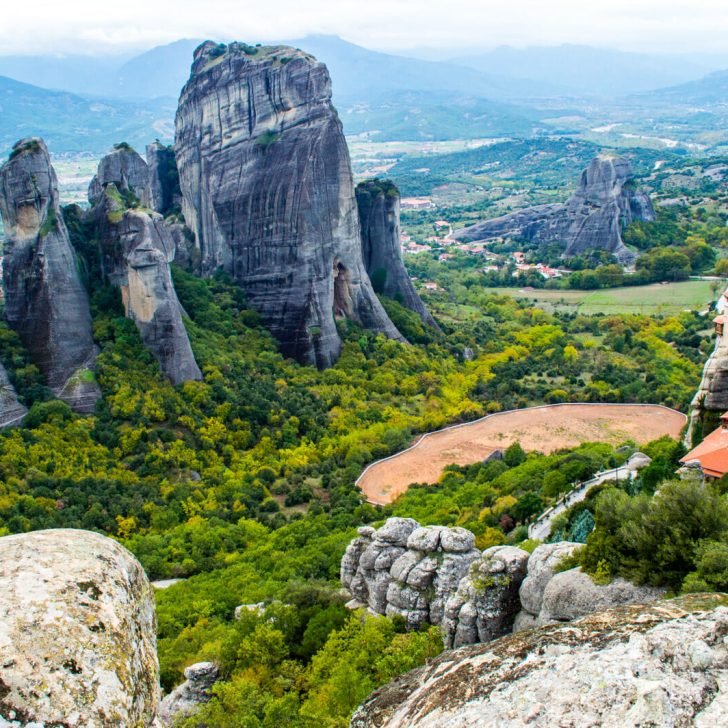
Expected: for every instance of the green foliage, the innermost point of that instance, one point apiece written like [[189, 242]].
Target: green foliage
[[267, 138]]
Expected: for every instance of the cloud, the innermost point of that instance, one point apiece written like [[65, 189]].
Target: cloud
[[77, 25]]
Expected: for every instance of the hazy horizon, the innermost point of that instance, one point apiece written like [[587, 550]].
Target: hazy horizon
[[81, 27]]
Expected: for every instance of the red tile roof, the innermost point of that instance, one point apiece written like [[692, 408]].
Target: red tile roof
[[712, 453]]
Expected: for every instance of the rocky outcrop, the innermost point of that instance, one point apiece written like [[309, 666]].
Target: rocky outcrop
[[269, 195], [187, 697], [125, 169], [45, 301], [486, 602], [605, 202], [661, 665], [162, 190], [77, 632], [137, 248], [378, 204], [12, 411]]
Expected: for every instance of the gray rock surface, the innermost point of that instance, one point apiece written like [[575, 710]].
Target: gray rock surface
[[485, 604], [45, 301], [77, 632], [593, 218], [125, 169], [12, 411], [269, 195], [187, 697], [541, 569], [378, 204], [137, 248], [662, 665], [572, 594], [163, 179]]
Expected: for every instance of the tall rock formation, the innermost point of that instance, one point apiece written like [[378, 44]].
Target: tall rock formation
[[11, 410], [378, 204], [45, 301], [123, 167], [163, 178], [77, 632], [137, 247], [269, 195], [605, 202]]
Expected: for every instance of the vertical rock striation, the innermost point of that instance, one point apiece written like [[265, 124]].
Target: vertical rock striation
[[605, 202], [269, 195], [12, 411], [378, 204], [45, 301], [137, 248]]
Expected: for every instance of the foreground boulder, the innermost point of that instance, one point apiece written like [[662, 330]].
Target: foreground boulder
[[45, 301], [12, 411], [269, 196], [187, 697], [77, 632], [661, 665], [378, 204], [605, 202]]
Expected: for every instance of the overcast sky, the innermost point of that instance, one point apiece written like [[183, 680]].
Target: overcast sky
[[72, 26]]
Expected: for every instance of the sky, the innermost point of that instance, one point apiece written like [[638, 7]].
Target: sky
[[89, 26]]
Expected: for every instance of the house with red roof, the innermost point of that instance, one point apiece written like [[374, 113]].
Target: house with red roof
[[712, 453]]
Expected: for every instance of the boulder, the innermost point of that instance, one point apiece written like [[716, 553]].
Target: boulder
[[378, 204], [485, 603], [187, 697], [605, 202], [77, 632], [12, 411], [45, 301], [660, 665], [268, 194], [572, 594]]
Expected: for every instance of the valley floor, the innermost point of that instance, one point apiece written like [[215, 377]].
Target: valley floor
[[545, 429]]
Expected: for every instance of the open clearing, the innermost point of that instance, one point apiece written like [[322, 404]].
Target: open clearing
[[656, 298], [545, 429]]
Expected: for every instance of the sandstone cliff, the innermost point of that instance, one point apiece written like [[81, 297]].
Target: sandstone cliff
[[137, 248], [162, 189], [605, 202], [123, 167], [11, 410], [662, 665], [378, 204], [269, 195], [77, 632], [45, 301]]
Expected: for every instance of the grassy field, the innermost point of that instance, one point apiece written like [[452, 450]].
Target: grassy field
[[657, 298]]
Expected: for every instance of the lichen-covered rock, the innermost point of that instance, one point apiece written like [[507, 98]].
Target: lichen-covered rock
[[572, 594], [187, 697], [12, 411], [125, 169], [137, 248], [662, 665], [378, 204], [605, 202], [77, 632], [45, 301], [485, 603], [269, 196], [541, 569]]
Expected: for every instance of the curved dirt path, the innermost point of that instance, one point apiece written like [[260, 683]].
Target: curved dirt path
[[545, 429]]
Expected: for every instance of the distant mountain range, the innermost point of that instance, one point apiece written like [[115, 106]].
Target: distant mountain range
[[86, 104], [711, 89]]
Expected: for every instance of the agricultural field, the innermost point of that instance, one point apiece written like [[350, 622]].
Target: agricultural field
[[653, 299]]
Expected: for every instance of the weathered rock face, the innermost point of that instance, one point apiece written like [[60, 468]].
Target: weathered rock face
[[378, 204], [485, 603], [137, 248], [11, 410], [268, 192], [662, 665], [163, 178], [124, 168], [185, 698], [45, 301], [77, 632], [605, 202]]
